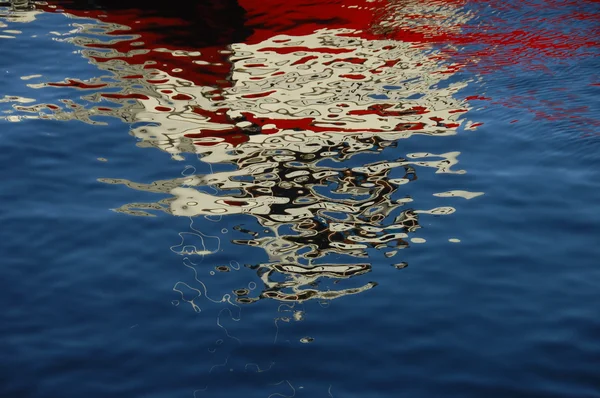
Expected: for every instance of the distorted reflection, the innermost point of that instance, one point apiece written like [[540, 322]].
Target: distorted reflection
[[289, 114]]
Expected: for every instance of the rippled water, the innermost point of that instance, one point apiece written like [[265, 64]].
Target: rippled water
[[311, 199]]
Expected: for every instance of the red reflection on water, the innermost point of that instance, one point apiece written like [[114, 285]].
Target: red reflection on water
[[205, 29]]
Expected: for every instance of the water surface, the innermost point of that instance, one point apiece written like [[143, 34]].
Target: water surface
[[342, 199]]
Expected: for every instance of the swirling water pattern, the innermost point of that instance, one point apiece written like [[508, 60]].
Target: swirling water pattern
[[341, 199]]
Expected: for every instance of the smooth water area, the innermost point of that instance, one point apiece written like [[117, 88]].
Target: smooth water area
[[288, 202]]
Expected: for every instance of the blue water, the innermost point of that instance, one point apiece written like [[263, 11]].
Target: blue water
[[102, 303]]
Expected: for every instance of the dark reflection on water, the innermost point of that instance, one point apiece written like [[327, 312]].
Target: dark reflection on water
[[310, 212]]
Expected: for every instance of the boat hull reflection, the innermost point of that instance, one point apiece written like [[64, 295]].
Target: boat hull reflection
[[287, 107]]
